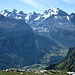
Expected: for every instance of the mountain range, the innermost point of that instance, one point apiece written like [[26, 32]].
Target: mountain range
[[20, 46], [53, 23], [34, 38]]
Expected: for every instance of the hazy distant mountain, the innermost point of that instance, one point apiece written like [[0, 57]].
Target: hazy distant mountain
[[68, 64]]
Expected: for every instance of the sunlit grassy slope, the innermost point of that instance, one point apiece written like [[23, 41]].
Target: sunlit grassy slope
[[33, 73]]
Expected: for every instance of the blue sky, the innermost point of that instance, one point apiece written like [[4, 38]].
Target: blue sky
[[37, 5]]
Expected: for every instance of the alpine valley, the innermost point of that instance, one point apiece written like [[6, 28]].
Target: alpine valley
[[67, 64], [35, 40]]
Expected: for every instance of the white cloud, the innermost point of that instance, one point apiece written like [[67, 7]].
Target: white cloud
[[33, 3], [69, 1]]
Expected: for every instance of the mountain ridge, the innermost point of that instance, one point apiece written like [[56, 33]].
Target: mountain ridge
[[47, 13]]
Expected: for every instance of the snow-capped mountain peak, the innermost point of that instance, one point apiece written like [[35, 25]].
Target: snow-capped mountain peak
[[32, 16], [52, 11], [49, 12], [13, 10], [51, 15], [32, 13], [16, 14], [3, 12]]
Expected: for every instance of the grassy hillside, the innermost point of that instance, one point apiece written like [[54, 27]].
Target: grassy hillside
[[34, 73], [68, 64]]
